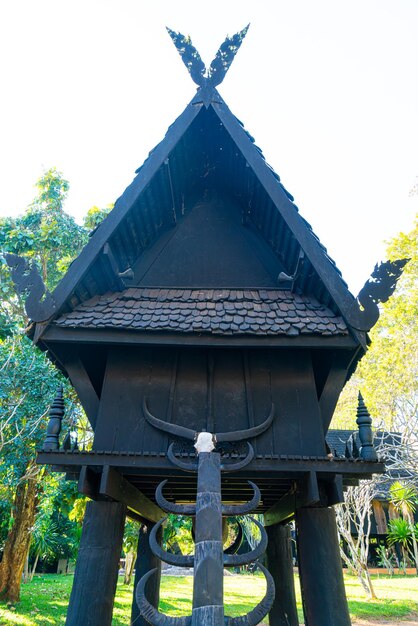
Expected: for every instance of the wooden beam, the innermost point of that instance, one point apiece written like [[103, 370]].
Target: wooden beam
[[142, 464], [89, 482], [132, 337], [335, 490], [332, 388], [115, 486], [306, 494], [82, 383]]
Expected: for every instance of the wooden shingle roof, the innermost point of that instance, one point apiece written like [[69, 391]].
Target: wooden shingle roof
[[214, 311]]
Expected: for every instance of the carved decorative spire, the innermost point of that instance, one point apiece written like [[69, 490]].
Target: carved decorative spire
[[364, 421], [56, 413], [214, 75]]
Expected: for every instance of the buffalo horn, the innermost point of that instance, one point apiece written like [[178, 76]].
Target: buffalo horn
[[234, 467], [187, 467], [179, 560], [255, 616], [240, 435], [172, 429], [241, 509], [150, 613], [236, 560], [235, 545], [172, 507]]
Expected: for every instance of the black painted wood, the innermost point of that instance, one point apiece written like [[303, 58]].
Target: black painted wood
[[280, 566], [320, 568], [94, 586], [146, 561], [260, 378], [105, 336], [115, 486], [85, 390]]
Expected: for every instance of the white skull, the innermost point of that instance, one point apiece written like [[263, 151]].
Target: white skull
[[204, 442]]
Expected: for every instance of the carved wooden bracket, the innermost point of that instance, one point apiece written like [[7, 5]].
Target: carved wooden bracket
[[364, 312], [40, 304]]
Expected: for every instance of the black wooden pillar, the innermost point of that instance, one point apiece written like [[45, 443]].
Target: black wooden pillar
[[145, 561], [321, 576], [96, 573], [280, 566]]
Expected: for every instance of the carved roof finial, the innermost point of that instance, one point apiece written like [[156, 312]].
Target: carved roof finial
[[364, 421], [220, 65], [378, 288]]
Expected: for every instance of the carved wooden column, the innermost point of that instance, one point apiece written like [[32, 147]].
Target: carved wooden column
[[320, 568], [96, 573], [146, 561], [280, 566]]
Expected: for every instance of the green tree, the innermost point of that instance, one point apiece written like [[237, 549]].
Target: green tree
[[388, 373], [28, 383], [404, 499], [399, 532], [129, 546], [50, 238], [95, 216]]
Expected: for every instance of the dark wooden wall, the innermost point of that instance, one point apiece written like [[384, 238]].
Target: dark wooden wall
[[235, 387]]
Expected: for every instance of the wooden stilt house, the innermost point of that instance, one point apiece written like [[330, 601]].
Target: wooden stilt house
[[205, 301]]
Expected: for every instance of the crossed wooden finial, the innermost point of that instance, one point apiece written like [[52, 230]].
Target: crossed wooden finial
[[220, 65]]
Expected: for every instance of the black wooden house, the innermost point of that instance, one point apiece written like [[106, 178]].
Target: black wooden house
[[206, 300]]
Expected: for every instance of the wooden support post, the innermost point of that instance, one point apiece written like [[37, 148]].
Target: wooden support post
[[145, 561], [280, 566], [96, 573], [320, 568]]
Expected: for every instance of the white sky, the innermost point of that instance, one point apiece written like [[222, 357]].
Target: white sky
[[328, 88]]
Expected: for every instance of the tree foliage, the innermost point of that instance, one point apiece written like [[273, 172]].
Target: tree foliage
[[50, 238], [388, 373]]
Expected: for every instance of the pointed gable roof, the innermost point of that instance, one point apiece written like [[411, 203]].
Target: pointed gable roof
[[206, 148]]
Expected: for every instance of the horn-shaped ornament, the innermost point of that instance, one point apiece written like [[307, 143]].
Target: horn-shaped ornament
[[172, 507], [188, 433], [236, 560], [150, 613], [172, 429], [247, 507], [248, 433], [179, 560], [236, 544], [187, 467], [255, 616], [234, 467]]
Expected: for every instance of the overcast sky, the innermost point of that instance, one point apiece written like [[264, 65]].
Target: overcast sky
[[329, 90]]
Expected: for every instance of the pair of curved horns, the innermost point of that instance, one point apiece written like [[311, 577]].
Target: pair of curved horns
[[190, 509], [225, 467], [154, 617], [230, 560], [188, 433]]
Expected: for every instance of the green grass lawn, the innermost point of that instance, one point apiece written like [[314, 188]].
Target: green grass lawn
[[44, 601]]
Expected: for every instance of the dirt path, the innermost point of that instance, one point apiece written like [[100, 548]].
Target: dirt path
[[379, 622], [388, 622]]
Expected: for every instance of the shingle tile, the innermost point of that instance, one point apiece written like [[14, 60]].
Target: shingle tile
[[219, 311]]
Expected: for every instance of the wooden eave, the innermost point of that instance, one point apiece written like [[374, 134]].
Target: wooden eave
[[333, 290], [110, 336]]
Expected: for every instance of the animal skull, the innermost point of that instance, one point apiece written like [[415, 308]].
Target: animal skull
[[205, 442]]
